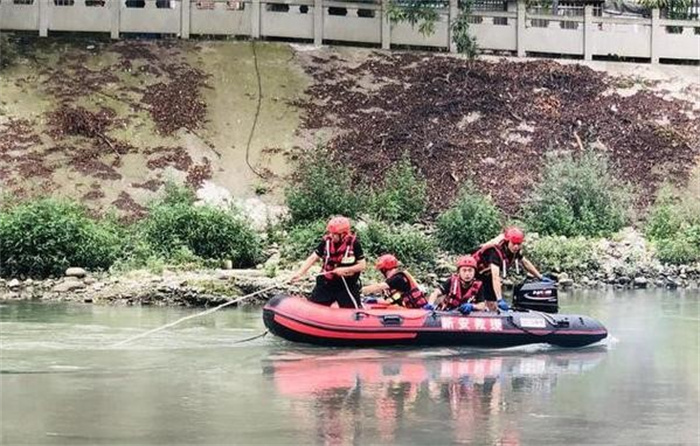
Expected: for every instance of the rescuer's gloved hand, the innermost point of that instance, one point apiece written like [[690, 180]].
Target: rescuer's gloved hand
[[429, 307], [503, 305], [466, 308]]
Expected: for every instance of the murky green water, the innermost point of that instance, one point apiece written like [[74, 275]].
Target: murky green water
[[62, 383]]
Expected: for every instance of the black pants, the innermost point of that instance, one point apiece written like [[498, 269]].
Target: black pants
[[328, 291], [487, 288]]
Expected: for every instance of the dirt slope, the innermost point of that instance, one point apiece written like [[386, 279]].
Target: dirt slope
[[494, 121], [108, 122]]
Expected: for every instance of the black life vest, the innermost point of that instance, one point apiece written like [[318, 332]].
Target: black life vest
[[482, 267], [341, 254], [414, 298], [456, 297]]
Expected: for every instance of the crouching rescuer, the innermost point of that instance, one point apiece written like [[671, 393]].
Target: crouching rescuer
[[495, 259], [343, 261], [400, 288], [462, 291]]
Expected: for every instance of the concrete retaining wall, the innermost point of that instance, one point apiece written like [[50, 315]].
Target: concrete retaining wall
[[323, 20]]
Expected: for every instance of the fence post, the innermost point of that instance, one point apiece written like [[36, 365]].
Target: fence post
[[185, 19], [255, 20], [43, 18], [588, 32], [318, 22], [656, 31], [454, 13], [520, 29], [115, 8], [386, 26]]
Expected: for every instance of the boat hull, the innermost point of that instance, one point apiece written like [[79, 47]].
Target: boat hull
[[298, 320]]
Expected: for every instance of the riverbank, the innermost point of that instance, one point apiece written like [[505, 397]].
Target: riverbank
[[625, 263]]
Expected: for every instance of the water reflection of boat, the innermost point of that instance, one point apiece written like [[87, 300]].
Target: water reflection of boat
[[294, 375], [299, 320], [385, 391]]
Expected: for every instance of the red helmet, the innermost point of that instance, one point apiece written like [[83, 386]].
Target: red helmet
[[386, 262], [515, 235], [338, 225], [466, 261]]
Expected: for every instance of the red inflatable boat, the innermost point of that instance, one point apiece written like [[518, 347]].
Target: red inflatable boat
[[298, 320]]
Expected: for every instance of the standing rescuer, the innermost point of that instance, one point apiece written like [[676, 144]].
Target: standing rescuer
[[495, 259], [343, 261], [461, 291], [400, 288]]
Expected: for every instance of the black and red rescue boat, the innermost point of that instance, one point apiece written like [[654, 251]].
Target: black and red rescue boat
[[298, 320]]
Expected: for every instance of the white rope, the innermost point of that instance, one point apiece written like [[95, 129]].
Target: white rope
[[192, 316], [212, 310], [352, 297]]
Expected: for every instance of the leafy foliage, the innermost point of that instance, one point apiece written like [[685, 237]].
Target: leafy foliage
[[175, 223], [403, 197], [680, 250], [44, 237], [466, 43], [578, 197], [323, 188], [552, 253], [415, 12], [473, 220], [411, 246], [674, 227], [302, 239], [670, 215]]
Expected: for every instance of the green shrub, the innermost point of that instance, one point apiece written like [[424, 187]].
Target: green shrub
[[403, 195], [670, 215], [680, 247], [473, 220], [42, 238], [679, 250], [302, 239], [207, 232], [408, 244], [322, 188], [551, 253], [174, 194], [578, 197], [673, 226]]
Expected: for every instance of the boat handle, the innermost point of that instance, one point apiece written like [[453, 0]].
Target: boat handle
[[360, 314], [392, 319]]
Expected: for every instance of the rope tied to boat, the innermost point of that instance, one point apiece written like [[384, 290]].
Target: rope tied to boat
[[192, 316], [217, 308]]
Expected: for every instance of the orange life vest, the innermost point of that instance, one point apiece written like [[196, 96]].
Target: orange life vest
[[455, 297], [342, 254], [483, 267], [414, 298]]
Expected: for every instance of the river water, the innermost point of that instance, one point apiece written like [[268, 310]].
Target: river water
[[62, 382]]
